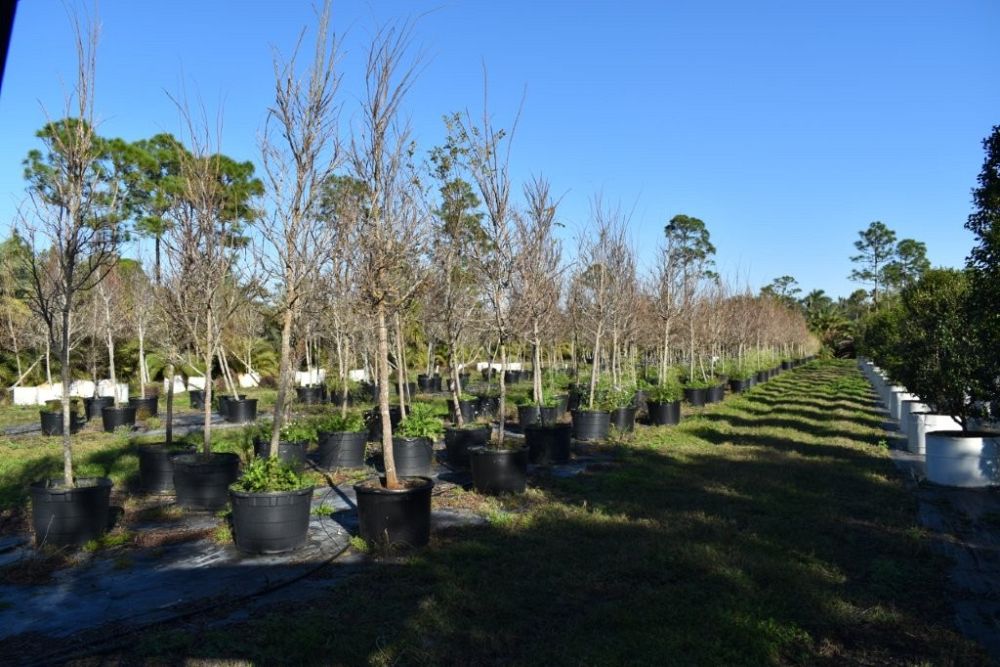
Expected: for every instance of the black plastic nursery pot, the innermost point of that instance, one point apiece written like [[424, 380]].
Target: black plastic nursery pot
[[289, 453], [738, 386], [548, 444], [270, 522], [52, 422], [761, 376], [488, 406], [62, 516], [144, 407], [695, 396], [242, 411], [457, 442], [436, 384], [623, 419], [549, 416], [468, 408], [413, 456], [715, 394], [196, 397], [573, 399], [395, 517], [787, 365], [497, 471], [222, 402], [423, 382], [528, 414], [664, 414], [114, 417], [639, 400], [202, 483], [156, 467], [591, 424], [310, 395], [374, 420], [342, 449], [563, 403], [93, 405]]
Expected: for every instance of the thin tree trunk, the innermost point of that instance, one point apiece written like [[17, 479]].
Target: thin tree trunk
[[400, 369], [170, 404], [594, 366], [391, 480], [48, 361], [536, 364], [143, 375], [503, 391], [283, 377], [207, 409], [456, 386], [111, 367], [66, 416]]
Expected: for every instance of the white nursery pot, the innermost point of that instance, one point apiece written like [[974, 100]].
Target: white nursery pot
[[896, 402], [965, 459], [921, 423], [905, 413]]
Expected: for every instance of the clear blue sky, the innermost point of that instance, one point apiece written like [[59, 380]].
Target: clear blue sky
[[787, 126]]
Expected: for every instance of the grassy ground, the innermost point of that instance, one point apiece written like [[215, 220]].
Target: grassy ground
[[771, 529]]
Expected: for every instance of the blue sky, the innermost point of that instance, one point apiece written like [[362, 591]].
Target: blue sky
[[787, 126]]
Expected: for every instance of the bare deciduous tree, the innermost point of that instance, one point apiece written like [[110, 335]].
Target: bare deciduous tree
[[298, 162]]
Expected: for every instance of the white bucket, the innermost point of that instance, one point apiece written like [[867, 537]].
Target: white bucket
[[962, 459]]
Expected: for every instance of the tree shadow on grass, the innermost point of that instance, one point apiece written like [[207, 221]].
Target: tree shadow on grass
[[705, 560]]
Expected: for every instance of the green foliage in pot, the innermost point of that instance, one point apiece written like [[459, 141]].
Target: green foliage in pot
[[700, 383], [879, 337], [262, 475], [298, 431], [551, 401], [664, 393], [466, 397], [612, 399], [938, 354], [421, 422], [352, 422]]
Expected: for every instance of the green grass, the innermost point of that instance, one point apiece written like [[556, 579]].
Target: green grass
[[770, 529]]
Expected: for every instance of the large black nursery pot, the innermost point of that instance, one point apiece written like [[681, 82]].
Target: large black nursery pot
[[424, 382], [196, 397], [342, 449], [548, 444], [310, 395], [549, 416], [738, 386], [563, 403], [144, 407], [112, 418], [488, 406], [715, 394], [374, 419], [156, 467], [289, 453], [623, 419], [457, 442], [202, 483], [591, 424], [52, 422], [761, 376], [497, 471], [93, 405], [573, 399], [270, 522], [695, 396], [528, 414], [223, 403], [639, 400], [787, 365], [242, 411], [413, 456], [395, 517], [664, 414], [62, 516], [436, 384], [468, 408]]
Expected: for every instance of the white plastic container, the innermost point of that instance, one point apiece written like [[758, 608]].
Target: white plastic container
[[921, 423], [964, 459]]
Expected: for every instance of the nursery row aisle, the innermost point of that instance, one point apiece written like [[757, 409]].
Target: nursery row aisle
[[771, 528]]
